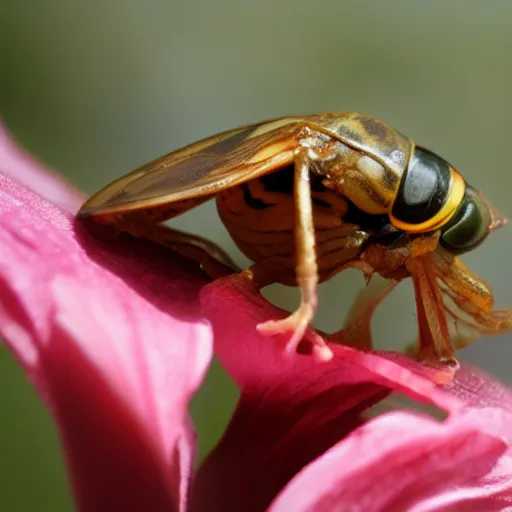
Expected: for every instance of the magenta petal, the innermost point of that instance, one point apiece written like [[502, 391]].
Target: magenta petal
[[117, 356], [400, 461], [477, 389], [255, 361], [20, 166], [291, 409]]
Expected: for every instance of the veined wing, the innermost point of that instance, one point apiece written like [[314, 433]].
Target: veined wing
[[202, 169]]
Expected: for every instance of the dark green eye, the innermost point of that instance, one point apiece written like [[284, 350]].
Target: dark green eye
[[470, 224]]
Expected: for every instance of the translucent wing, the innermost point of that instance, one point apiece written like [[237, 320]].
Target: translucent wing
[[201, 169]]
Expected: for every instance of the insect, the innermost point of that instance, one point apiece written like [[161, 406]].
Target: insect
[[307, 197]]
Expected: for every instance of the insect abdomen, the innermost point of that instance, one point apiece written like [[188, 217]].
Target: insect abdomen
[[260, 217]]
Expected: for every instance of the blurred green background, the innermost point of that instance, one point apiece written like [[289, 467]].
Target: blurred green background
[[96, 88]]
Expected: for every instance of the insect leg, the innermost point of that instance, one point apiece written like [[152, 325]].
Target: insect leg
[[211, 258], [148, 224], [460, 299], [306, 269], [356, 331]]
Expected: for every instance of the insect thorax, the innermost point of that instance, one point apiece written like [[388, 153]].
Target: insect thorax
[[360, 177]]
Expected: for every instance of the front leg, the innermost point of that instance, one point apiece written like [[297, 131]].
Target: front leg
[[306, 271]]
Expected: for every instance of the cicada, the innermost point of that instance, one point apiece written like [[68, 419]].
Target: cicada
[[307, 197]]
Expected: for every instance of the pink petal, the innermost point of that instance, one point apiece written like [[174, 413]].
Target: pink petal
[[291, 409], [20, 166], [253, 360], [404, 462], [116, 345], [477, 389]]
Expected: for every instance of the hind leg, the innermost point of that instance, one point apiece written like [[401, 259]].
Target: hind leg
[[148, 224], [211, 258]]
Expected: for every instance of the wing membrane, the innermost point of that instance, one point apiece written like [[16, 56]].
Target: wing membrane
[[201, 169]]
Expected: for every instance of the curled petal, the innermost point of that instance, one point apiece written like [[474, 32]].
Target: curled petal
[[401, 461], [115, 344]]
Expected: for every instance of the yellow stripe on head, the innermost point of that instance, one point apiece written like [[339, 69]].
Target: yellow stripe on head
[[453, 201]]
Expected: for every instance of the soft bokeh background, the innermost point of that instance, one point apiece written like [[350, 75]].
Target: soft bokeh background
[[96, 88]]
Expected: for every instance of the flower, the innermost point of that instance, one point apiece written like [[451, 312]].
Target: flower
[[117, 335]]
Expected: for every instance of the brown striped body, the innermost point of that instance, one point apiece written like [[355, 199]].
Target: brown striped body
[[259, 216]]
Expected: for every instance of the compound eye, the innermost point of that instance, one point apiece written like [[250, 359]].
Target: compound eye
[[470, 224]]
